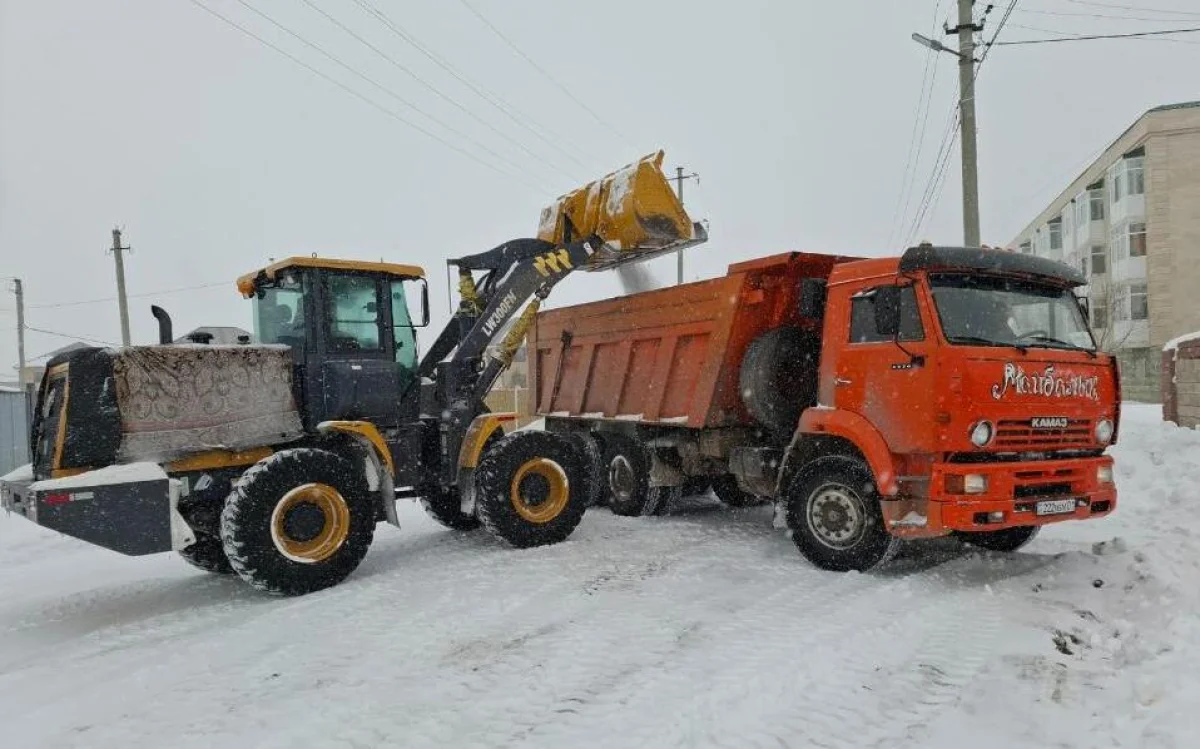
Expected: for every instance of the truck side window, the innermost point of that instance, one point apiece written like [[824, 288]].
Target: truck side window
[[862, 318], [352, 313]]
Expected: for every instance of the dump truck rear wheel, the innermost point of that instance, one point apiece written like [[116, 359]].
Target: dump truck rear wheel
[[626, 475], [298, 521], [207, 554], [778, 377], [727, 490], [1009, 539], [593, 465], [529, 489], [834, 517]]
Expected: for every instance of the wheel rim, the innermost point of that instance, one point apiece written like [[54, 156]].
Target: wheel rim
[[310, 523], [836, 516], [621, 479], [539, 490]]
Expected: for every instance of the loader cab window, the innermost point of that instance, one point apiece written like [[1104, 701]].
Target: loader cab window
[[279, 316], [862, 318], [402, 328], [353, 322]]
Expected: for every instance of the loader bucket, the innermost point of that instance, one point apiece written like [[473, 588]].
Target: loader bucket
[[633, 210]]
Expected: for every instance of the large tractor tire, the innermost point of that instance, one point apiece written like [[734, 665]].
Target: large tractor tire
[[298, 521], [731, 494], [627, 479], [834, 517], [778, 377], [207, 554], [445, 505], [592, 456], [1009, 539], [530, 489]]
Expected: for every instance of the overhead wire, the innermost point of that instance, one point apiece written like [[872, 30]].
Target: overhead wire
[[366, 99], [1089, 37], [1042, 30], [141, 295], [1102, 16], [546, 74], [43, 331], [1131, 7], [433, 89], [545, 135]]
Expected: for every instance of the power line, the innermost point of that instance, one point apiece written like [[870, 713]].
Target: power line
[[365, 99], [433, 89], [130, 296], [1130, 7], [1099, 36], [316, 47], [72, 337], [545, 73], [543, 134], [1069, 14], [1067, 33]]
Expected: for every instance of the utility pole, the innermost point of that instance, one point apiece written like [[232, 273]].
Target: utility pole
[[679, 178], [966, 104], [19, 292], [117, 249]]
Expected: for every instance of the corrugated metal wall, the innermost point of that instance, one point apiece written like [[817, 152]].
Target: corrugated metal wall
[[14, 439]]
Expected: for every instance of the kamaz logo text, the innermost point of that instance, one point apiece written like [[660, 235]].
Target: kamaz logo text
[[1049, 422], [502, 310], [552, 262]]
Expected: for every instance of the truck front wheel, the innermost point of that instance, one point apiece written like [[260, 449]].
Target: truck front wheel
[[530, 489], [834, 517], [298, 521]]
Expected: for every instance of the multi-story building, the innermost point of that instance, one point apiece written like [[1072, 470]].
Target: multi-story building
[[1131, 223]]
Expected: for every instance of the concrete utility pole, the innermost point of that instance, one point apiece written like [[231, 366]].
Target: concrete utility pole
[[966, 103], [19, 292], [117, 249], [679, 178]]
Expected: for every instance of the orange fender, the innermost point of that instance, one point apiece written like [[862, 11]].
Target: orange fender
[[834, 422]]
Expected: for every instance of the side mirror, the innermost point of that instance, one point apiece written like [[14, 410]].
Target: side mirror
[[812, 298], [887, 311]]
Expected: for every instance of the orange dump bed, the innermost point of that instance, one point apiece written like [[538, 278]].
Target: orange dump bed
[[669, 356]]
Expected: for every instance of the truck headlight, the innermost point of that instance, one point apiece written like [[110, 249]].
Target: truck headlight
[[1104, 431], [1104, 474], [982, 433]]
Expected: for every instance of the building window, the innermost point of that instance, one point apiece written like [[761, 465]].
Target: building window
[[1083, 265], [1026, 247], [1099, 312], [1118, 239], [1115, 183], [1137, 240], [1135, 176], [1096, 199], [1081, 210], [1139, 308], [1099, 260], [1056, 234]]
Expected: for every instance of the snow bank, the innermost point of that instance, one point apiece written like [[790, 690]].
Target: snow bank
[[1175, 343], [125, 473], [19, 474]]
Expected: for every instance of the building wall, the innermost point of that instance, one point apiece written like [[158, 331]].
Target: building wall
[[1173, 236], [14, 431]]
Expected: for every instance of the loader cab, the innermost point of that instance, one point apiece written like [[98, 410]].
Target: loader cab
[[351, 327]]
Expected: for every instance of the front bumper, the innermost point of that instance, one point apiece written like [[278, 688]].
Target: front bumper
[[1016, 495], [132, 517]]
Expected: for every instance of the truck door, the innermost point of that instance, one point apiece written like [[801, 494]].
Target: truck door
[[888, 379], [360, 378]]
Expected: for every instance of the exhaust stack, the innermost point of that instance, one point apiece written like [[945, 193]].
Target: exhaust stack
[[164, 324]]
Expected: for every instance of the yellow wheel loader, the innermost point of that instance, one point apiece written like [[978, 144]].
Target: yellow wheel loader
[[275, 460]]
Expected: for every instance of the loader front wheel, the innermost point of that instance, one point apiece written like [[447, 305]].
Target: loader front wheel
[[298, 521], [445, 506], [530, 489], [207, 554]]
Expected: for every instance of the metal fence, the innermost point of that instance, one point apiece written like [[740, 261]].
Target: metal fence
[[14, 430]]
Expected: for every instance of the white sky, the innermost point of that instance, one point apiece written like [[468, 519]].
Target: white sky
[[215, 153]]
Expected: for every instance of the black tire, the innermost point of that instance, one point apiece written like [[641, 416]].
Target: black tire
[[834, 517], [727, 490], [697, 486], [1009, 539], [778, 377], [270, 555], [592, 457], [445, 505], [529, 489], [207, 554], [626, 476]]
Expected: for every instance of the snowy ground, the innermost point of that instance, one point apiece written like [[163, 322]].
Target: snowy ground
[[705, 628]]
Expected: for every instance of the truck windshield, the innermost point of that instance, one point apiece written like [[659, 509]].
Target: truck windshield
[[279, 313], [996, 311]]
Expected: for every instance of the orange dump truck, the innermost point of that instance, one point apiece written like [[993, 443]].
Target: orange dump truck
[[949, 390]]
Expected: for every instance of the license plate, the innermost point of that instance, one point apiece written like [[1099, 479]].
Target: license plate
[[1055, 506]]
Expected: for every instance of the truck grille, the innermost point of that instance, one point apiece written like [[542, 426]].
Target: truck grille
[[1019, 435]]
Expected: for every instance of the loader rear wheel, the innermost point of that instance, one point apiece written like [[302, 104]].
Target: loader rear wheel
[[207, 554], [1009, 539], [298, 521], [834, 517], [727, 490], [529, 489]]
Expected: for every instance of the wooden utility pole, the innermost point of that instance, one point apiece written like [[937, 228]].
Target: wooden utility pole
[[679, 178], [122, 304], [966, 29]]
